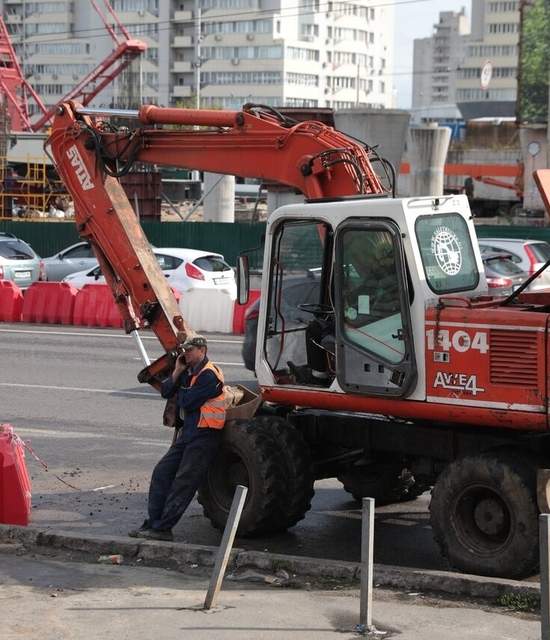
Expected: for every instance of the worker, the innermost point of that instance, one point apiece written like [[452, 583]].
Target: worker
[[197, 385], [11, 186]]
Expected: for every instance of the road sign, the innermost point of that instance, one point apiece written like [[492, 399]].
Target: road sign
[[486, 74]]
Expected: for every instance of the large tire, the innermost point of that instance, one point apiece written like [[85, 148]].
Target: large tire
[[387, 483], [261, 454], [484, 515], [298, 470]]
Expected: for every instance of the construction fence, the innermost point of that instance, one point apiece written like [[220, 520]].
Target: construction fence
[[47, 237]]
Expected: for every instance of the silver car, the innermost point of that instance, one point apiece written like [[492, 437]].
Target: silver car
[[18, 261], [75, 258], [529, 255]]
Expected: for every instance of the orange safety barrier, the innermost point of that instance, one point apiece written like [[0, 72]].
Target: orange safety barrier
[[11, 301], [15, 485], [49, 302], [239, 311], [95, 307]]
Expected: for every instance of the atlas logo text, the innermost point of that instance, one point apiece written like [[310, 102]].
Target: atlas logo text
[[80, 168]]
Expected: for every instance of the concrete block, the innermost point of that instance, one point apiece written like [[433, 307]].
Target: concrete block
[[176, 555], [89, 545], [24, 535], [298, 565], [459, 584]]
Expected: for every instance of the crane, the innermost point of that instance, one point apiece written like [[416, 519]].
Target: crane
[[18, 92]]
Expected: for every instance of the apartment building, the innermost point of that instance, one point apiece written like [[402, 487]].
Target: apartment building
[[494, 39], [436, 60], [311, 53]]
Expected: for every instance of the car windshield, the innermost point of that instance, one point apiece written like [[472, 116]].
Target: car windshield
[[16, 250], [502, 265], [211, 263]]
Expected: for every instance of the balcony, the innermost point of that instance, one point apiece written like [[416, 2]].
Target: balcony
[[183, 16], [181, 91], [182, 41], [181, 67]]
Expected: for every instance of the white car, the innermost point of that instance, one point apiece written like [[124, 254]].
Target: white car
[[185, 270]]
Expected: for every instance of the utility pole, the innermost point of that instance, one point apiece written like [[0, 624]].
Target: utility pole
[[195, 175], [198, 37]]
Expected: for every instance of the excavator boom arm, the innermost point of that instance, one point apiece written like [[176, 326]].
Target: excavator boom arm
[[90, 155]]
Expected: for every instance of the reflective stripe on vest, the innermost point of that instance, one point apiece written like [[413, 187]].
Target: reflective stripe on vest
[[212, 414]]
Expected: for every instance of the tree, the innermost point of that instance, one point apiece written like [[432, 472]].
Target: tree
[[535, 62]]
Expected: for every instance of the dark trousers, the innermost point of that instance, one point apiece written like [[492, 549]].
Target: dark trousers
[[178, 475]]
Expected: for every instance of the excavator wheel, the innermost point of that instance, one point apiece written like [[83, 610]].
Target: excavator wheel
[[299, 470], [262, 454], [386, 483], [484, 515]]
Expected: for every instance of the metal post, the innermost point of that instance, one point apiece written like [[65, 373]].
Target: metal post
[[195, 175], [198, 38], [141, 348], [544, 546], [225, 546], [367, 548]]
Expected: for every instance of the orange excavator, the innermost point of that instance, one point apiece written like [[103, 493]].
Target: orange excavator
[[400, 374]]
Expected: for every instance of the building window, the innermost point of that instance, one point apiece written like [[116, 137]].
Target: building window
[[301, 102], [241, 77], [298, 53], [244, 53], [305, 79]]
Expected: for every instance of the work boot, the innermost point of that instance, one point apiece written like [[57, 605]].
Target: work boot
[[153, 534], [134, 533]]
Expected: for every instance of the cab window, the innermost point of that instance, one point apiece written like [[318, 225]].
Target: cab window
[[370, 294], [447, 253]]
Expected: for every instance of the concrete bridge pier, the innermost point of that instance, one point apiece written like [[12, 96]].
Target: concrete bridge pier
[[219, 203], [428, 148]]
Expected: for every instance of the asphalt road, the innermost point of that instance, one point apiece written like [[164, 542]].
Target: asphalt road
[[72, 394]]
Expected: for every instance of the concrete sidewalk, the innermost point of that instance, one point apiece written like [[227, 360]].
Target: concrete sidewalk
[[180, 557], [53, 599]]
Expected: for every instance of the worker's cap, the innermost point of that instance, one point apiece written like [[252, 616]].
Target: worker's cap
[[195, 341]]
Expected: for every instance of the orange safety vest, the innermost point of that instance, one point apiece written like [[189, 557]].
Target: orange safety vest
[[212, 414]]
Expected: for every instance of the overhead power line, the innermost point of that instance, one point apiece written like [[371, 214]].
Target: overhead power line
[[99, 32]]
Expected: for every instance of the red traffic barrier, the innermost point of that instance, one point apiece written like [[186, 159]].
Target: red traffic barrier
[[11, 301], [49, 302], [15, 485], [239, 311], [95, 307]]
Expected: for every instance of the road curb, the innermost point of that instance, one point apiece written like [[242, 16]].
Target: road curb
[[180, 557]]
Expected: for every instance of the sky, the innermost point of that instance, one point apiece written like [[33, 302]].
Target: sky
[[415, 19]]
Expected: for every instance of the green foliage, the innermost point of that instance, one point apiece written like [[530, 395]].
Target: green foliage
[[519, 601], [535, 63]]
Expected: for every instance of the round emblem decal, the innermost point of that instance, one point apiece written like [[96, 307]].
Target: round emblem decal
[[447, 250]]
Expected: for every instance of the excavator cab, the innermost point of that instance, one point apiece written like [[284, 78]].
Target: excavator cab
[[375, 264]]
